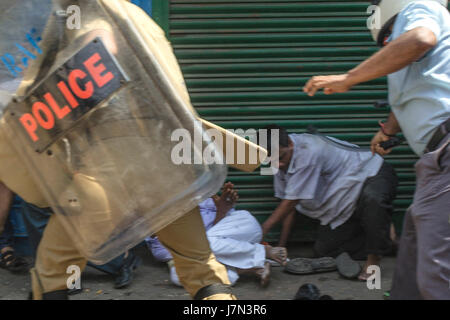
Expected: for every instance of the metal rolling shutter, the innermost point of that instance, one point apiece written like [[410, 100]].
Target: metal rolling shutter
[[246, 61]]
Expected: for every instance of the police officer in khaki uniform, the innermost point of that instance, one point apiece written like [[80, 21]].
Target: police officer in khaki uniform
[[199, 271]]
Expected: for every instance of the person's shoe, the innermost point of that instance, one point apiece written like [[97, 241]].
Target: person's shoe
[[347, 267], [13, 263], [308, 266], [54, 295], [74, 291], [307, 291], [125, 276]]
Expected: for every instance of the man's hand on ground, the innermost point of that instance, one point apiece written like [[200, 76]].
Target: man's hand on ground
[[285, 207]]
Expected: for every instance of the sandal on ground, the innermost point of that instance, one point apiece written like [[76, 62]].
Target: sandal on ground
[[309, 266], [13, 263], [347, 267]]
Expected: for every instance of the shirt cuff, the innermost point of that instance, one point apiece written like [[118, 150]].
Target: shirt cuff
[[289, 197]]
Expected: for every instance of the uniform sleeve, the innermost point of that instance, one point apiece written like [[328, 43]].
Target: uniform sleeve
[[421, 14], [303, 183]]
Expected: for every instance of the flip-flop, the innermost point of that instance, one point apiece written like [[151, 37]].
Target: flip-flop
[[308, 266], [347, 267]]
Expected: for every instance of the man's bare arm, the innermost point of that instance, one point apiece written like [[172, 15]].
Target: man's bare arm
[[284, 208], [288, 222], [401, 52]]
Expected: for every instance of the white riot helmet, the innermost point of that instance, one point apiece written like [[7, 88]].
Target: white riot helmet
[[387, 12]]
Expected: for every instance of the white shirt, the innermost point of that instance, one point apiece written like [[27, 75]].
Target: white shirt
[[326, 177]]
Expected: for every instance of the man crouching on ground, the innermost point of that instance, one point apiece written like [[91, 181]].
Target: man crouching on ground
[[347, 188]]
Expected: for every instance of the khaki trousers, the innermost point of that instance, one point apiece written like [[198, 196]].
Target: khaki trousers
[[185, 238]]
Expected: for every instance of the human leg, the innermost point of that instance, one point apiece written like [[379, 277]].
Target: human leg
[[198, 270], [8, 258], [288, 222], [423, 262], [430, 216], [56, 253], [404, 284], [235, 241], [374, 210], [347, 237]]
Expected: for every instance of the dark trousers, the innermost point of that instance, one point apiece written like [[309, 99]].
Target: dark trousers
[[423, 262], [7, 236], [36, 220], [367, 231]]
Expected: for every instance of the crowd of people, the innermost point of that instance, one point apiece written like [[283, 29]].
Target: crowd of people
[[348, 189]]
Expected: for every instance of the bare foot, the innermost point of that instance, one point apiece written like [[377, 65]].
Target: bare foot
[[372, 260], [264, 274], [278, 254], [392, 233]]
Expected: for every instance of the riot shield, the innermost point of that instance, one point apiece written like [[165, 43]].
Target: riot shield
[[90, 113]]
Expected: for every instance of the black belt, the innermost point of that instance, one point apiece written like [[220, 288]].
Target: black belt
[[437, 137]]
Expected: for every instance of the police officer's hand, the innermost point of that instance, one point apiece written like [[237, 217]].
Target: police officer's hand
[[330, 84], [375, 144]]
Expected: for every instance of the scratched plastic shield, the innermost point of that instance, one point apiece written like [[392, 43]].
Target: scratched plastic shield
[[19, 41], [92, 110]]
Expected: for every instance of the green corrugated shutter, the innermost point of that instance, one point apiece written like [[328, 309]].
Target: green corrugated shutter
[[245, 63]]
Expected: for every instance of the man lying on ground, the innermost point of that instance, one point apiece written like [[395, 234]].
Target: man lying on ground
[[234, 237]]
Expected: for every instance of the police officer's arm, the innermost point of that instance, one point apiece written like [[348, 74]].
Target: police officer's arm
[[6, 197], [404, 50], [283, 209]]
